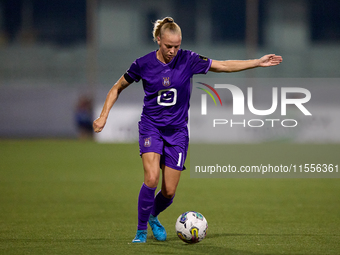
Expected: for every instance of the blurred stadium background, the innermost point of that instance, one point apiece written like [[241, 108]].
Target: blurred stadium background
[[56, 53]]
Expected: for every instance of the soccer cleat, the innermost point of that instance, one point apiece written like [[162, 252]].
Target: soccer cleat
[[157, 229], [140, 236]]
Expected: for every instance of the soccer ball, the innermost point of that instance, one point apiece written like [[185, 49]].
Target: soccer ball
[[191, 227]]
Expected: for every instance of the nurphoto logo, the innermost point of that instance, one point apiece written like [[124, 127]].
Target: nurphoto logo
[[238, 107]]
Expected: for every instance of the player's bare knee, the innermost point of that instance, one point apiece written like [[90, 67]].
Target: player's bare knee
[[168, 193], [151, 181]]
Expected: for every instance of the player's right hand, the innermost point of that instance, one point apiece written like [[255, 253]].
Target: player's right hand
[[99, 124]]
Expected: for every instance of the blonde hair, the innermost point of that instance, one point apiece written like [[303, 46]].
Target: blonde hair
[[161, 24]]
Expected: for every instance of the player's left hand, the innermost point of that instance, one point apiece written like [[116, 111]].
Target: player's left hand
[[270, 60]]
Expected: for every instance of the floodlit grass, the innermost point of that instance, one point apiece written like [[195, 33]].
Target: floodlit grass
[[73, 197]]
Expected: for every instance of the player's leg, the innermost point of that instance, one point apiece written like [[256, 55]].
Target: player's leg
[[150, 146], [147, 193], [164, 198]]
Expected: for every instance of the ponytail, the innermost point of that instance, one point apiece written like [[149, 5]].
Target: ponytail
[[161, 24]]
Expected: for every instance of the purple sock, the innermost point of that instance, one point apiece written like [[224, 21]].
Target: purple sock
[[160, 204], [145, 203]]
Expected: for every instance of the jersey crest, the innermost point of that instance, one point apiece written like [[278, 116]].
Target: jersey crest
[[166, 81], [147, 142]]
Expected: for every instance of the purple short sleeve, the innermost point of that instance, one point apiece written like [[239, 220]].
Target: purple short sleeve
[[134, 71], [199, 64]]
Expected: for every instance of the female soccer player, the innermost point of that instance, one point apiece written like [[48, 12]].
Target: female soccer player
[[163, 132]]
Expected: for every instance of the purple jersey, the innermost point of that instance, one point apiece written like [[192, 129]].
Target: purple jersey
[[167, 86]]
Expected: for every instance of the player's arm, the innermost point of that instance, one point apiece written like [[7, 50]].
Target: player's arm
[[228, 66], [111, 98]]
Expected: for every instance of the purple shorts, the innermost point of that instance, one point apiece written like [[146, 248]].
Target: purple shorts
[[171, 143]]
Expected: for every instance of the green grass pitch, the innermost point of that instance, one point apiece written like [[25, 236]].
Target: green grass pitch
[[74, 197]]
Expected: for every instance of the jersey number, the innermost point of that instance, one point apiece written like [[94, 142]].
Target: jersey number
[[179, 163]]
